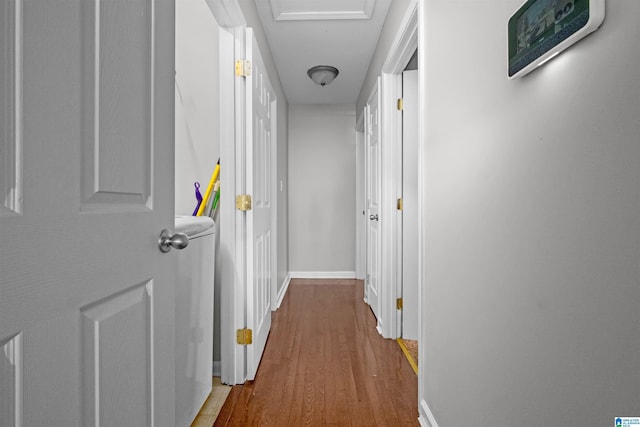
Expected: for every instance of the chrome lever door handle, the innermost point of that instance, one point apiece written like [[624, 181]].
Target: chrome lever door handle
[[167, 240], [373, 217]]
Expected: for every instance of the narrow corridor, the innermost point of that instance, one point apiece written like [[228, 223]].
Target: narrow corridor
[[326, 365]]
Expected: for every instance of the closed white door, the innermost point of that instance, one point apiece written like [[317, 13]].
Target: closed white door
[[410, 205], [372, 134], [86, 179], [260, 103]]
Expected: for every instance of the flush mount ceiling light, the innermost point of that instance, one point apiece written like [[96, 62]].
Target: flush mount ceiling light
[[322, 74]]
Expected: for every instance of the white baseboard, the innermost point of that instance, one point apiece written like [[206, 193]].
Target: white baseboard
[[323, 274], [217, 368], [426, 417], [283, 290]]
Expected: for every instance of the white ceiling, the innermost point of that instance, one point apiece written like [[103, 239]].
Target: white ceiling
[[304, 33]]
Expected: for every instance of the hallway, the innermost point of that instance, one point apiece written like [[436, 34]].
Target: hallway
[[326, 365]]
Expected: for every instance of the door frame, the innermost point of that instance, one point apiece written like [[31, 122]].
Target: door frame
[[402, 48], [231, 21], [426, 416], [408, 228], [232, 250]]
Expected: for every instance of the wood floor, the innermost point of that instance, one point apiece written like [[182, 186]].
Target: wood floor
[[326, 365]]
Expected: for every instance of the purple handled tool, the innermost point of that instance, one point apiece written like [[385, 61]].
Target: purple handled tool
[[198, 198]]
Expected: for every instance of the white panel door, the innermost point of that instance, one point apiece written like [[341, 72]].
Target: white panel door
[[410, 205], [260, 103], [86, 179], [373, 202]]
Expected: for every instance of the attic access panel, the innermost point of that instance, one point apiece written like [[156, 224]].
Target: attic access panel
[[541, 29], [314, 10]]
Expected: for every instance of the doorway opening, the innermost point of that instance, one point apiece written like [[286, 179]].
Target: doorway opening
[[408, 318]]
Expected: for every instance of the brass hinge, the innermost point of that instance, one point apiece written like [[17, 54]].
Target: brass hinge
[[243, 68], [400, 204], [244, 336], [399, 303], [400, 104], [243, 202]]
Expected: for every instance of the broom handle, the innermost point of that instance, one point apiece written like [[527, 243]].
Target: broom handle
[[205, 199]]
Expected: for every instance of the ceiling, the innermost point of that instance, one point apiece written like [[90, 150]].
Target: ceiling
[[304, 33]]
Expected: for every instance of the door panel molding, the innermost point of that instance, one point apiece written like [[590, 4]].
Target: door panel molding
[[117, 331], [11, 43], [115, 55], [11, 385]]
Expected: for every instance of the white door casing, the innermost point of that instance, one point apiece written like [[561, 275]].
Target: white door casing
[[410, 205], [260, 104], [86, 143], [402, 49], [372, 136], [360, 219], [232, 291]]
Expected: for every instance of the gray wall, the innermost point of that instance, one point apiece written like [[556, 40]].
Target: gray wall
[[322, 188], [253, 20], [532, 223], [396, 12], [197, 100], [197, 117]]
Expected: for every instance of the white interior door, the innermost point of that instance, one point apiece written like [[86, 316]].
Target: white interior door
[[86, 179], [373, 201], [410, 205], [260, 102]]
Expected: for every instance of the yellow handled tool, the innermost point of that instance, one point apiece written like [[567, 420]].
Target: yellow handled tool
[[205, 199]]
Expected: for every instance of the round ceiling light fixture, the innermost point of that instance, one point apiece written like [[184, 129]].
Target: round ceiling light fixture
[[322, 74]]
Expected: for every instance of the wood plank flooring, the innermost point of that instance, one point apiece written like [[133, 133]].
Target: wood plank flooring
[[326, 365]]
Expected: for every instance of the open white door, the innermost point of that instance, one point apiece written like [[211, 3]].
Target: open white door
[[260, 109], [372, 135], [86, 148], [410, 205]]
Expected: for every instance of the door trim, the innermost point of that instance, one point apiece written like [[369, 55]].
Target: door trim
[[425, 413], [227, 217], [231, 20], [402, 48]]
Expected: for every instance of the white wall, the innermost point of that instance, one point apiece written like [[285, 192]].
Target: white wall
[[532, 223], [322, 188], [196, 90], [197, 115]]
